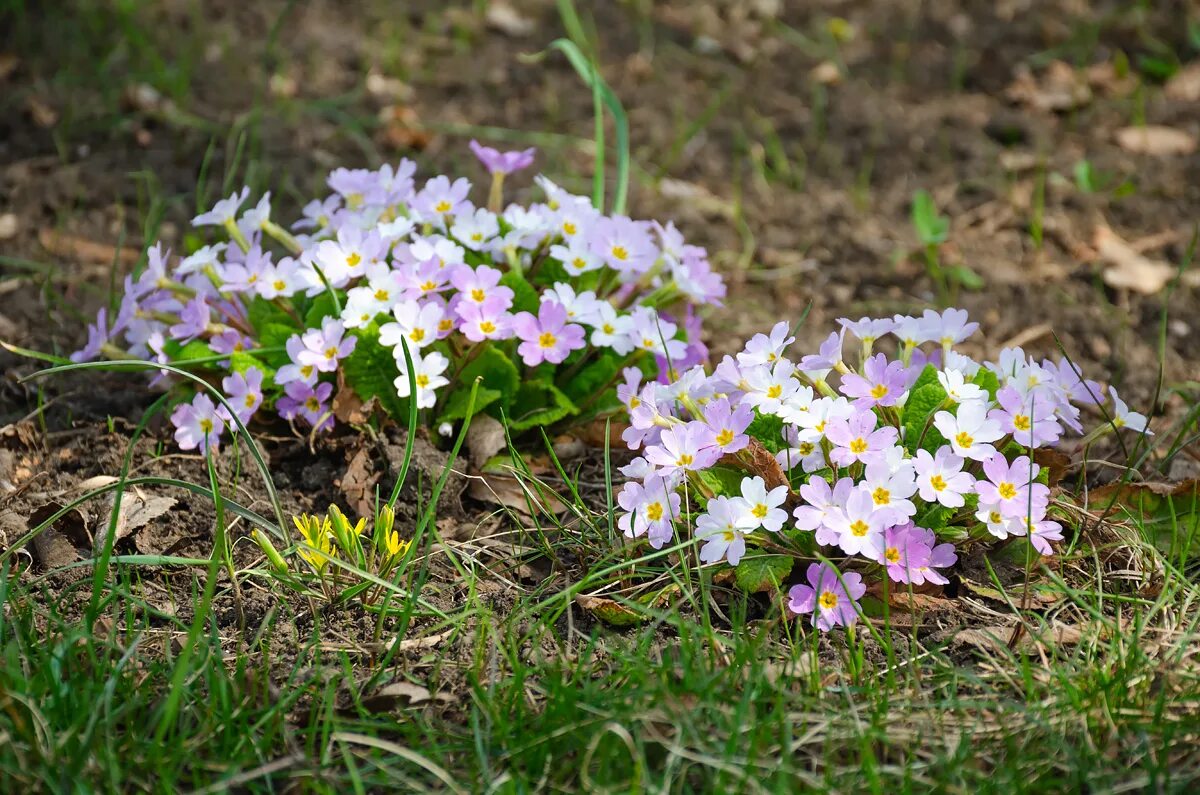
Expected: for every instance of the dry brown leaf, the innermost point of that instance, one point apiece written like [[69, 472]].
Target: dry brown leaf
[[1155, 139], [1126, 269], [427, 642], [1058, 88], [511, 493], [138, 510], [42, 114], [402, 128], [396, 695], [996, 638], [358, 483], [1127, 493], [485, 438], [502, 17], [67, 246], [1184, 85]]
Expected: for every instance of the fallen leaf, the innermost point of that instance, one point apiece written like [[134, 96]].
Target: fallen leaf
[[510, 492], [1126, 268], [996, 638], [401, 128], [504, 18], [1184, 85], [1155, 139], [1058, 88], [358, 483], [826, 73], [42, 114], [485, 438], [8, 226], [427, 642], [610, 611], [138, 510], [1039, 596], [67, 246], [396, 695], [1055, 462]]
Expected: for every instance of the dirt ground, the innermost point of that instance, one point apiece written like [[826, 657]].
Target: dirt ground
[[786, 137]]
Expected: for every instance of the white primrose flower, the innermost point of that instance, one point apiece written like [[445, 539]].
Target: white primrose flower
[[415, 322], [959, 389], [718, 528], [969, 432], [1124, 418], [758, 507], [427, 373]]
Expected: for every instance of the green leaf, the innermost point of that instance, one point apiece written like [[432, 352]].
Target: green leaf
[[724, 480], [261, 313], [195, 349], [762, 572], [525, 297], [539, 403], [931, 228], [988, 381], [596, 376], [276, 335], [498, 372], [966, 277], [933, 516], [320, 308], [371, 372], [240, 362], [455, 407], [928, 376], [768, 429], [918, 412]]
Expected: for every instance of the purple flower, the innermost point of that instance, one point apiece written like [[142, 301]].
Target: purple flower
[[828, 356], [498, 162], [855, 439], [830, 603], [441, 197], [198, 424], [912, 555], [650, 510], [307, 403], [948, 328], [547, 337], [480, 285], [1029, 418], [244, 393], [224, 211], [823, 504], [683, 447], [484, 322], [882, 383], [868, 329], [625, 245], [98, 334], [727, 425], [245, 274], [1011, 486], [193, 321], [326, 346]]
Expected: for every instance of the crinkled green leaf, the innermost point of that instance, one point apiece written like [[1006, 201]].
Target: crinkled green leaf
[[525, 297], [724, 481], [370, 370], [918, 413], [261, 312], [988, 381], [240, 362], [757, 573], [320, 308], [498, 373], [455, 407], [928, 376], [196, 349], [768, 429], [593, 378], [539, 403]]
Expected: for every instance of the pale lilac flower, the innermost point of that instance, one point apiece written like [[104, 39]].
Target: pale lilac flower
[[326, 346], [652, 332], [830, 602], [637, 469], [912, 555], [201, 259], [577, 258], [244, 274], [318, 213], [244, 393], [800, 452], [625, 245], [796, 407], [98, 335], [822, 503], [198, 424], [1041, 532], [727, 425], [193, 322], [498, 162], [474, 230], [718, 528], [308, 403], [1010, 486], [611, 329], [441, 197], [427, 373], [481, 285], [996, 522], [827, 357], [859, 526], [683, 447], [911, 331], [766, 349], [881, 384], [548, 337], [415, 322], [758, 507], [296, 370], [280, 279], [949, 328], [856, 438], [1124, 418], [969, 431], [484, 322], [958, 388], [770, 387], [940, 478], [223, 212], [890, 487], [347, 257], [868, 329], [1029, 419], [650, 509], [581, 308]]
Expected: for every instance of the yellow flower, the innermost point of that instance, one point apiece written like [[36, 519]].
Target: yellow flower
[[317, 533], [396, 547]]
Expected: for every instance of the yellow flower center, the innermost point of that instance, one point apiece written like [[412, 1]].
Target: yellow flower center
[[569, 228], [634, 402], [806, 448], [422, 380], [684, 460], [445, 324], [428, 286], [477, 237], [725, 437], [580, 263], [828, 600], [858, 446], [382, 295], [859, 528], [892, 555], [937, 482], [250, 399], [881, 496], [994, 517], [306, 370], [759, 511], [620, 252], [607, 328], [443, 206], [1021, 422], [647, 342], [964, 439], [654, 511], [477, 295], [879, 391], [330, 353], [206, 425], [547, 340], [417, 334], [312, 404], [252, 278], [352, 260], [487, 327], [774, 391], [1007, 490]]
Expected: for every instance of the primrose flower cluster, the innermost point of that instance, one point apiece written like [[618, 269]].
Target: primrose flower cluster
[[390, 283], [885, 460]]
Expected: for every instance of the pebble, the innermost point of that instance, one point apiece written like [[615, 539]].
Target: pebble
[[8, 226]]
